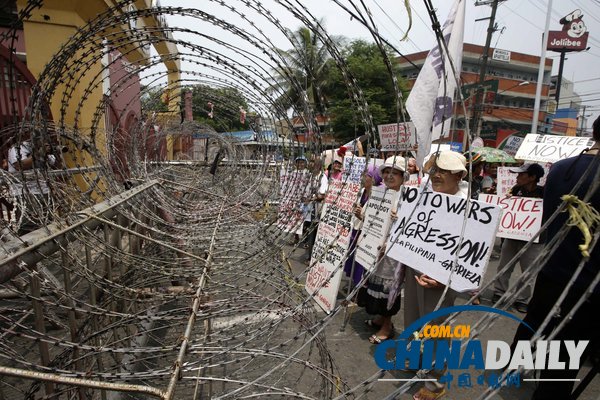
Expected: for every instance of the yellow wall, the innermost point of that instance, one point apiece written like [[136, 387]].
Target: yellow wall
[[53, 25], [45, 32], [571, 125]]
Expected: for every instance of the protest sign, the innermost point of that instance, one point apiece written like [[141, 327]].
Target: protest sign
[[333, 236], [521, 216], [506, 180], [397, 136], [551, 148], [511, 145], [376, 225], [413, 180], [294, 188], [429, 239]]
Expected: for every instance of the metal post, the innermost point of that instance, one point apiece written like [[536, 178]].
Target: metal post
[[540, 79], [38, 311], [198, 298], [95, 324], [71, 313], [559, 78], [476, 123]]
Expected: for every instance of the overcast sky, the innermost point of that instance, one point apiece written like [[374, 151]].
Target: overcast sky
[[520, 28]]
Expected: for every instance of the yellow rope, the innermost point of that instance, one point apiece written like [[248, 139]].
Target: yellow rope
[[585, 217]]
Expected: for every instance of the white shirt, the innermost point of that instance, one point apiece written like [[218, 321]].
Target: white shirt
[[35, 182]]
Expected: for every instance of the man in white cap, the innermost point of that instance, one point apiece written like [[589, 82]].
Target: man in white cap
[[528, 177]]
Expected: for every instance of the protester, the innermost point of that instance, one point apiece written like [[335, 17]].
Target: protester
[[305, 206], [337, 165], [318, 190], [490, 178], [559, 269], [421, 292], [528, 177], [412, 166], [374, 295], [371, 178], [34, 194], [475, 163]]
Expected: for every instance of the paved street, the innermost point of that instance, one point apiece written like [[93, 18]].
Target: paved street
[[353, 354]]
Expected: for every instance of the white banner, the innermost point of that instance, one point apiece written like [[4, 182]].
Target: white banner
[[551, 148], [430, 102], [430, 240], [521, 216], [333, 235], [294, 188], [376, 225], [397, 137]]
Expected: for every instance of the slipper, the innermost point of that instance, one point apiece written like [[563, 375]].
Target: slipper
[[426, 394], [372, 324], [374, 339]]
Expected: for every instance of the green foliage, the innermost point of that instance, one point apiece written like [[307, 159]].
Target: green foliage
[[226, 107], [366, 65], [304, 71], [151, 99]]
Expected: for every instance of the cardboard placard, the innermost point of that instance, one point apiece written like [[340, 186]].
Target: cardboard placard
[[429, 240], [397, 136], [333, 236], [551, 148], [521, 216], [506, 179], [376, 225], [294, 188]]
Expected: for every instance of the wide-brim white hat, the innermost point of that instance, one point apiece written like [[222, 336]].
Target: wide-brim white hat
[[397, 162], [448, 160]]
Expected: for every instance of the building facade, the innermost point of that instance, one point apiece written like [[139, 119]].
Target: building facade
[[509, 92]]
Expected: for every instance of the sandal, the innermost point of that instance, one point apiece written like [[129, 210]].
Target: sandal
[[372, 324], [374, 339], [426, 394]]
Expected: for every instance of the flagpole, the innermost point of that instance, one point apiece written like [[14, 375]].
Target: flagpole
[[540, 79]]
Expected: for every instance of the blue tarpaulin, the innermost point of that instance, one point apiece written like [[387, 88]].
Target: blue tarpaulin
[[244, 136]]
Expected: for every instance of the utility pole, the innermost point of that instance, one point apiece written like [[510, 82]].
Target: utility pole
[[477, 103], [582, 121]]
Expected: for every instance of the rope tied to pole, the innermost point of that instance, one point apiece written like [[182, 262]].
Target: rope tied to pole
[[585, 217]]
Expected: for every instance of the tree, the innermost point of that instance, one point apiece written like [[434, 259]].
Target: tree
[[303, 71], [151, 98], [226, 103], [366, 65]]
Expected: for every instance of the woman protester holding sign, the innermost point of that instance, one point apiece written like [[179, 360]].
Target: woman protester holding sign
[[421, 292], [374, 295], [371, 178]]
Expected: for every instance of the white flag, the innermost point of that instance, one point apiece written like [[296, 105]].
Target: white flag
[[430, 101]]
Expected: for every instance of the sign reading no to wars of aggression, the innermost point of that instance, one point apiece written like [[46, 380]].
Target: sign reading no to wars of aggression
[[397, 136], [429, 241], [376, 225], [521, 216], [551, 148], [333, 236]]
